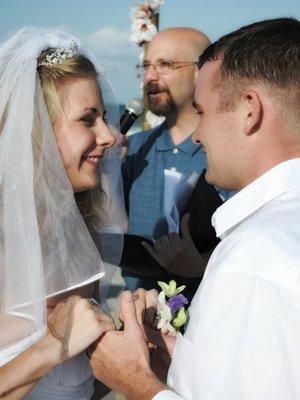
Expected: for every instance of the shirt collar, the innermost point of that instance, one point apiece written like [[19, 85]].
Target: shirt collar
[[165, 143], [284, 177]]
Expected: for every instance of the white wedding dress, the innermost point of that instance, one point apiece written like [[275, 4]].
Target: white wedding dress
[[72, 380]]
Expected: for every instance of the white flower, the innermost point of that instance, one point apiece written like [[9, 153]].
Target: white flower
[[155, 4], [141, 11], [145, 9], [142, 31], [164, 312], [154, 120]]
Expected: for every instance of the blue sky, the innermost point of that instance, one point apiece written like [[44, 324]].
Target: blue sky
[[104, 25]]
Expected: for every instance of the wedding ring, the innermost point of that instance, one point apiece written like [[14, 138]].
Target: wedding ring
[[156, 319], [157, 316]]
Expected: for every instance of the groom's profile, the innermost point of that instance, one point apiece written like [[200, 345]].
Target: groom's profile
[[242, 340]]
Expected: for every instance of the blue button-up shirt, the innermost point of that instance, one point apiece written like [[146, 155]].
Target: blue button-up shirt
[[149, 154]]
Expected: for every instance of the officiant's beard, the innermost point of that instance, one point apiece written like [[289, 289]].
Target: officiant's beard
[[158, 106]]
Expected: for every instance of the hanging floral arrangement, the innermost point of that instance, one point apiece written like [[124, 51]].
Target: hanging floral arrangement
[[142, 28], [142, 31]]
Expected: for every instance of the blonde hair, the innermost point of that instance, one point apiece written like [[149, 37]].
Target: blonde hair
[[53, 78]]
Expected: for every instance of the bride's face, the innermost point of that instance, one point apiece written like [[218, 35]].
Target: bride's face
[[82, 133]]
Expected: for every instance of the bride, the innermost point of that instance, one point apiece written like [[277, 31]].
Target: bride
[[60, 194]]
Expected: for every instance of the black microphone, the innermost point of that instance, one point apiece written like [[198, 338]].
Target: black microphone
[[133, 109]]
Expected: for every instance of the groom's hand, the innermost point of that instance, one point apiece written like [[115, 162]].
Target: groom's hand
[[145, 305], [121, 359], [161, 350]]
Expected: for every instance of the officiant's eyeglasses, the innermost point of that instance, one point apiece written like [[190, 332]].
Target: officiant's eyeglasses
[[163, 66]]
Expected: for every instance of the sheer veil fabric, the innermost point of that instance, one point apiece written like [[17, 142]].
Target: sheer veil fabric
[[45, 246]]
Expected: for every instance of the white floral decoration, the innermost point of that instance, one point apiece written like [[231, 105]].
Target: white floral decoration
[[145, 9], [171, 312], [142, 31], [155, 4], [164, 311], [140, 12]]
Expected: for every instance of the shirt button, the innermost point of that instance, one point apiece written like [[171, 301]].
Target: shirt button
[[173, 169], [175, 151]]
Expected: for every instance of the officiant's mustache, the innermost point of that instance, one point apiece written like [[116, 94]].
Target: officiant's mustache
[[153, 88]]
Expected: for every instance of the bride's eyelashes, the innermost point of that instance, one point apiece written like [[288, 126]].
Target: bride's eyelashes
[[90, 118]]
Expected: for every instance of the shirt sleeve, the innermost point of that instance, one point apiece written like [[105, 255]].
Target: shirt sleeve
[[167, 395]]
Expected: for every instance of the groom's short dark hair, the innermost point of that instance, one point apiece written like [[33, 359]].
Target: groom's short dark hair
[[266, 51]]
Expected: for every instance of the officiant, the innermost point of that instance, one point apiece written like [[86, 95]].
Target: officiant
[[168, 201]]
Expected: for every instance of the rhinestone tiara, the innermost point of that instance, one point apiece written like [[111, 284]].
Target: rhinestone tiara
[[61, 55]]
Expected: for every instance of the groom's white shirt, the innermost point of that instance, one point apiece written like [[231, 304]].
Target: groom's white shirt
[[243, 338]]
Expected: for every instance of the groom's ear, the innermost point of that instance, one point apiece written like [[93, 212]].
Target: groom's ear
[[253, 111]]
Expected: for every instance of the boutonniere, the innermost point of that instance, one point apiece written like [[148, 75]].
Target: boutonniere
[[171, 310]]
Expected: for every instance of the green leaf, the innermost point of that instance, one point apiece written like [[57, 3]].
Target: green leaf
[[170, 289], [180, 318], [164, 286], [180, 289]]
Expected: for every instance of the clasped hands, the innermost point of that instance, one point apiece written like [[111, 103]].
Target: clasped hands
[[125, 360], [116, 356], [73, 325]]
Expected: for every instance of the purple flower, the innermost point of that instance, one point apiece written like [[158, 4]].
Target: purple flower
[[176, 302]]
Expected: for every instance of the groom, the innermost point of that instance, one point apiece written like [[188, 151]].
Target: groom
[[243, 337]]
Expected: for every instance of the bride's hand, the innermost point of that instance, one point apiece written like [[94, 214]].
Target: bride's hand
[[84, 291], [146, 306], [73, 325]]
